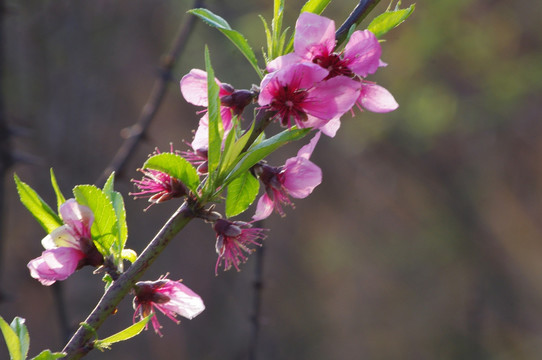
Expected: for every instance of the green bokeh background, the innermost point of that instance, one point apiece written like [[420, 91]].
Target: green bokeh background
[[423, 242]]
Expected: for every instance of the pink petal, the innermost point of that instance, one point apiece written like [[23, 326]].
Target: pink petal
[[314, 35], [194, 87], [183, 301], [78, 217], [362, 53], [300, 177], [332, 98], [376, 99], [264, 208], [331, 127], [201, 137], [55, 264], [283, 61], [306, 151]]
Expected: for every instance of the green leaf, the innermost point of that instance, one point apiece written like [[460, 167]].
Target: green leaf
[[312, 6], [389, 19], [276, 26], [123, 335], [241, 193], [60, 199], [118, 204], [231, 153], [12, 341], [22, 333], [48, 355], [235, 37], [176, 166], [129, 254], [315, 6], [261, 150], [42, 212], [213, 111], [104, 229]]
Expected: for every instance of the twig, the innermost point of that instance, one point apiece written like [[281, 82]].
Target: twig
[[262, 120], [257, 304], [356, 16], [79, 344], [137, 131], [6, 158]]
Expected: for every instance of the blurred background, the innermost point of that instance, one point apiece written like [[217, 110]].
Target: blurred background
[[424, 240]]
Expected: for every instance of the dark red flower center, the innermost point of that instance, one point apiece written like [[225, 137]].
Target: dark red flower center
[[334, 64], [288, 102]]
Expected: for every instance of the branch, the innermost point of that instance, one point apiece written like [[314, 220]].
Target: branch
[[80, 344], [257, 304], [356, 17], [138, 130]]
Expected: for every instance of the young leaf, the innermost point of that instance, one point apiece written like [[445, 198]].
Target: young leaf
[[12, 341], [129, 254], [235, 37], [22, 333], [241, 193], [118, 204], [175, 166], [42, 212], [48, 355], [215, 140], [123, 335], [315, 6], [261, 150], [231, 152], [389, 19], [276, 26], [60, 199], [104, 229]]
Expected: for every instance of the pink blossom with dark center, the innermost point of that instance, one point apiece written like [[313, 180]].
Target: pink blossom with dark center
[[158, 187], [314, 41], [68, 247], [297, 178], [298, 94], [170, 297], [233, 239]]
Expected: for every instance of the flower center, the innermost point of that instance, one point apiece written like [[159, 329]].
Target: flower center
[[288, 104], [334, 64]]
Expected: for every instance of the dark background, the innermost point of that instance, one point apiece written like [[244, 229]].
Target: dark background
[[424, 240]]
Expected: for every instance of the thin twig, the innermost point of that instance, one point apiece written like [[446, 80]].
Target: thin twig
[[80, 343], [356, 17], [262, 120], [138, 130], [257, 304], [6, 158]]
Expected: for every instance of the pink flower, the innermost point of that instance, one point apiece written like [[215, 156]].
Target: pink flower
[[68, 247], [232, 241], [194, 90], [297, 92], [314, 41], [158, 186], [170, 297], [297, 178]]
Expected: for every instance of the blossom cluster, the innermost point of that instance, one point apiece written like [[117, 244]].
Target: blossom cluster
[[312, 88]]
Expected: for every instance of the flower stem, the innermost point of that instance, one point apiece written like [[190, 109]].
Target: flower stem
[[356, 16], [80, 344]]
